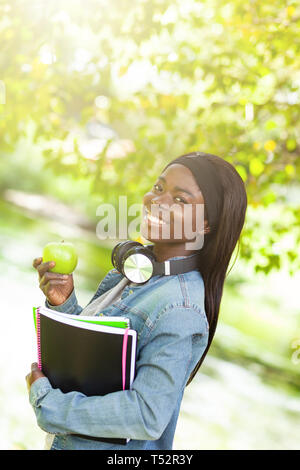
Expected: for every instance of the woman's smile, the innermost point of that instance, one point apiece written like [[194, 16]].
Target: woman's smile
[[149, 217]]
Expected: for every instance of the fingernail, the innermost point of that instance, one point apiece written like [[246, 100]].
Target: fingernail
[[65, 276]]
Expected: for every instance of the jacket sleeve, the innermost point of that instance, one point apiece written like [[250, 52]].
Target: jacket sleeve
[[163, 367], [70, 306]]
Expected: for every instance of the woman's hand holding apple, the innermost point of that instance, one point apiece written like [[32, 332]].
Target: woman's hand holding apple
[[56, 287]]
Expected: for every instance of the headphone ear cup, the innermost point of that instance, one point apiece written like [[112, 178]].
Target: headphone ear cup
[[118, 253], [138, 263], [114, 256]]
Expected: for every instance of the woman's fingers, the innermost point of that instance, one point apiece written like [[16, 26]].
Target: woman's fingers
[[52, 287], [54, 283], [55, 288], [44, 267], [36, 262], [53, 278]]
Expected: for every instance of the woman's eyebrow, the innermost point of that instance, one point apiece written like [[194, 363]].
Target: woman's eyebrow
[[177, 187]]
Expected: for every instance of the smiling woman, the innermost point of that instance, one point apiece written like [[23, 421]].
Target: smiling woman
[[175, 315]]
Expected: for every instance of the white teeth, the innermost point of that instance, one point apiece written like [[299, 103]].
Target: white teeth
[[153, 219]]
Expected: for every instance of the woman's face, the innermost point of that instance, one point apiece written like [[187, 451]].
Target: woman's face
[[173, 210]]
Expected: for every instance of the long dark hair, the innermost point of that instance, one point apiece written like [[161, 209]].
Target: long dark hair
[[219, 245]]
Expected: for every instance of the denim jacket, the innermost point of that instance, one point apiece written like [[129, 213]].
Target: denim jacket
[[169, 316]]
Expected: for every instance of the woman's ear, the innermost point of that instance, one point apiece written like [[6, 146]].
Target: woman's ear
[[206, 228]]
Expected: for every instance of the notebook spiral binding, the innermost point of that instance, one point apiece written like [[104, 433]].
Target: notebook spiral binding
[[38, 331]]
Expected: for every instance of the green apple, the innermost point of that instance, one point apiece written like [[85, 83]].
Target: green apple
[[64, 255]]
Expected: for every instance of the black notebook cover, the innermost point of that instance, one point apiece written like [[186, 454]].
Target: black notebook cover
[[75, 358]]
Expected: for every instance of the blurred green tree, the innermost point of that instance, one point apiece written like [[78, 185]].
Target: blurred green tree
[[115, 89]]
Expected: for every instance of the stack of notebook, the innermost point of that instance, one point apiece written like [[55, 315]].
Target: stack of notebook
[[91, 355]]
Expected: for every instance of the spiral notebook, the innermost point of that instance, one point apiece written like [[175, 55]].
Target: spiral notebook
[[85, 354]]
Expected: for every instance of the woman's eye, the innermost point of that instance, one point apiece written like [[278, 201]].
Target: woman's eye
[[156, 185], [182, 200]]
